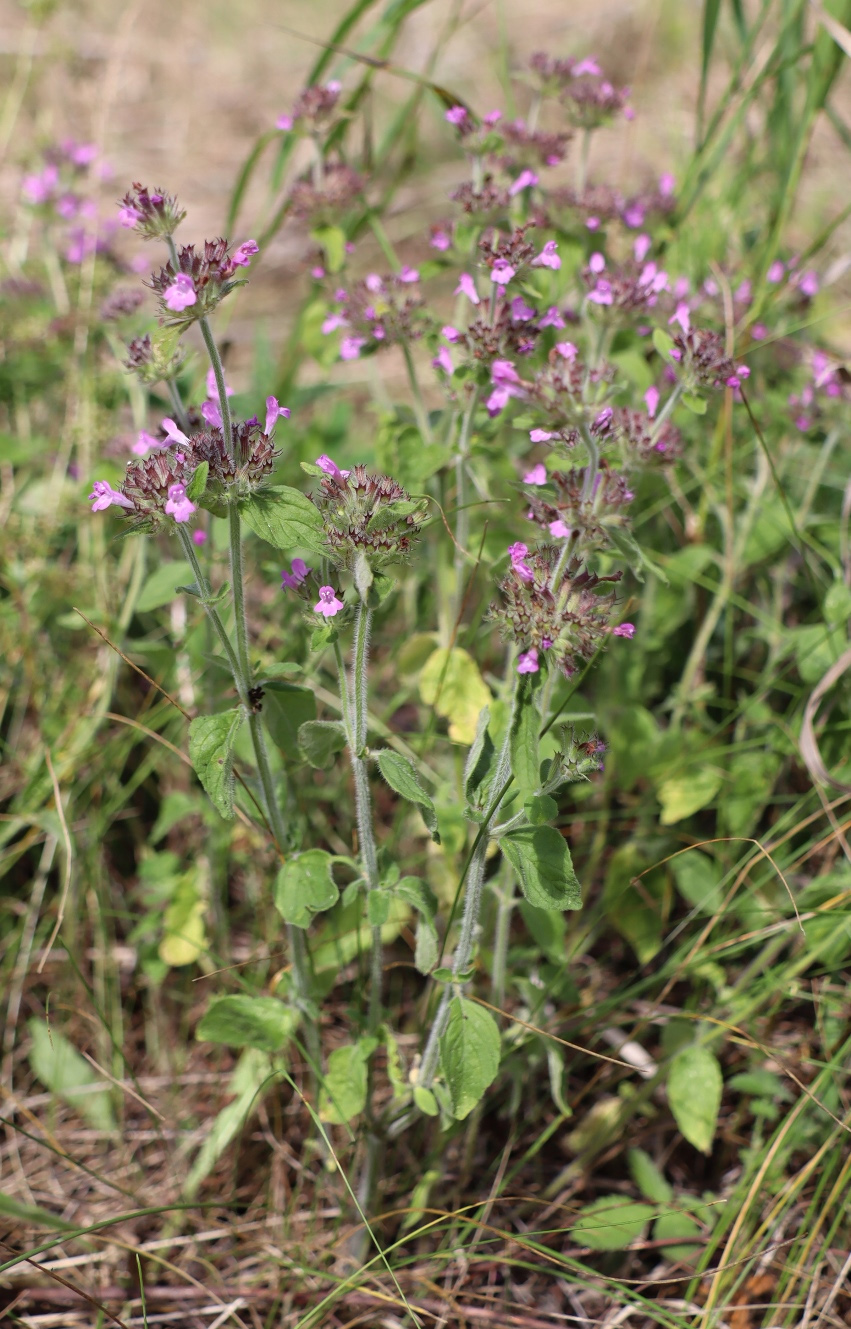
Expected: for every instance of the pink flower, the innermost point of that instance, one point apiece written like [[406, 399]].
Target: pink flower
[[440, 240], [527, 661], [537, 475], [172, 433], [103, 495], [633, 213], [177, 504], [667, 184], [284, 122], [443, 360], [83, 154], [317, 273], [212, 414], [541, 435], [681, 316], [274, 412], [466, 286], [525, 180], [625, 630], [736, 380], [350, 347], [199, 537], [213, 387], [294, 579], [596, 263], [552, 318], [592, 223], [373, 283], [566, 350], [328, 604], [651, 398], [492, 118], [502, 272], [520, 311], [759, 331], [451, 334], [333, 322], [242, 256], [38, 188], [456, 115], [601, 294], [641, 248], [517, 553], [548, 258], [409, 274], [181, 294], [330, 467], [681, 288], [559, 530], [129, 217], [776, 272], [587, 66], [144, 443], [808, 284]]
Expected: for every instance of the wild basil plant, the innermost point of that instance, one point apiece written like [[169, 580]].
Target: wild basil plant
[[564, 352]]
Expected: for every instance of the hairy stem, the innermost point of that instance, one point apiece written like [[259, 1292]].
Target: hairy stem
[[180, 413], [462, 510], [472, 908], [218, 370], [419, 405]]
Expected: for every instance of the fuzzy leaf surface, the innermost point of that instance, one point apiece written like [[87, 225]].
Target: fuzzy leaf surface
[[211, 740], [469, 1054], [541, 859]]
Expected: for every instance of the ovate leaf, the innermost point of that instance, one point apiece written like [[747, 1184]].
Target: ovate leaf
[[541, 859], [648, 1178], [304, 887], [319, 741], [525, 728], [343, 1092], [694, 1093], [185, 935], [452, 684], [162, 585], [211, 740], [469, 1054], [611, 1223], [243, 1021], [401, 776], [685, 794], [285, 518], [59, 1066], [286, 707], [252, 1077]]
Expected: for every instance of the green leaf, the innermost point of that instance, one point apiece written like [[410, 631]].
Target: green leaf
[[418, 894], [452, 684], [525, 728], [698, 879], [286, 707], [541, 859], [547, 928], [635, 555], [611, 1223], [282, 669], [697, 405], [426, 1101], [677, 1225], [251, 1078], [469, 1054], [285, 518], [319, 741], [377, 907], [648, 1178], [478, 771], [162, 585], [401, 776], [304, 886], [211, 740], [694, 1093], [426, 947], [343, 1092], [663, 342], [198, 482], [633, 906], [685, 794], [243, 1021], [185, 935], [59, 1066], [422, 898], [332, 241], [540, 809]]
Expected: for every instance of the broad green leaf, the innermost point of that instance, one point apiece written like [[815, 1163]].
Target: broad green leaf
[[59, 1066], [540, 809], [198, 482], [252, 1077], [634, 735], [648, 1178], [280, 669], [285, 518], [541, 859], [694, 1093], [304, 886], [698, 879], [525, 728], [693, 403], [611, 1223], [420, 895], [401, 776], [286, 707], [395, 1067], [547, 928], [452, 684], [663, 342], [685, 794], [343, 1092], [211, 740], [242, 1021], [185, 936], [677, 1225], [377, 907], [425, 1101], [634, 907], [426, 947], [332, 240], [319, 742], [161, 587], [469, 1054]]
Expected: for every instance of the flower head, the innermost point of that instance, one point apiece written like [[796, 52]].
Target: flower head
[[153, 214], [243, 254], [199, 537], [624, 630], [527, 661], [466, 286], [177, 504], [180, 294], [172, 433], [330, 467], [537, 475], [294, 579], [144, 443], [328, 604], [548, 257], [525, 180]]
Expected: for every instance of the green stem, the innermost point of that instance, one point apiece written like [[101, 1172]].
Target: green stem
[[216, 362], [500, 942], [472, 909], [419, 405], [462, 510], [180, 413], [238, 591], [212, 612]]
